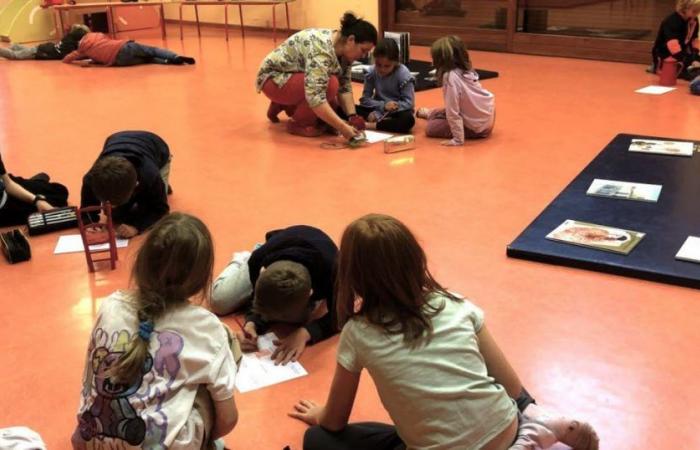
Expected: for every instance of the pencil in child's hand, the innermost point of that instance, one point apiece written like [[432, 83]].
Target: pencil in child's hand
[[245, 333]]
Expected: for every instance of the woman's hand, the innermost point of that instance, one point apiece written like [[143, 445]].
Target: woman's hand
[[349, 131], [391, 106], [307, 411]]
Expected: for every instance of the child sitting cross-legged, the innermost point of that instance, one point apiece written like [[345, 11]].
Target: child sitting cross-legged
[[470, 110], [388, 96], [438, 370], [160, 370]]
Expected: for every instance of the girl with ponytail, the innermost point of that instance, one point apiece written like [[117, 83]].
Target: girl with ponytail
[[160, 369]]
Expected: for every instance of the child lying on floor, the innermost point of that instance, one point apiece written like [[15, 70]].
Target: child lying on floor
[[48, 51], [105, 51]]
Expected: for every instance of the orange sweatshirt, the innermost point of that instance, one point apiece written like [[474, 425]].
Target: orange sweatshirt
[[98, 47]]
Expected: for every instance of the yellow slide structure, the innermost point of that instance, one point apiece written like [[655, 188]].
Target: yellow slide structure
[[25, 21]]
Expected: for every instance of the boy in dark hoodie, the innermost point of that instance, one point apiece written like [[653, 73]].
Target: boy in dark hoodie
[[49, 51], [132, 174]]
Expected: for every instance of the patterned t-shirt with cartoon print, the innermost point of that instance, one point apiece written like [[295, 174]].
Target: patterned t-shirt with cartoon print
[[188, 349]]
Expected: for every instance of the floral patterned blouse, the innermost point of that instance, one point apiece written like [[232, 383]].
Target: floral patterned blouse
[[311, 52]]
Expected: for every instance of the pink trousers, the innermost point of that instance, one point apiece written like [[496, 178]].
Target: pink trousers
[[439, 127], [292, 96]]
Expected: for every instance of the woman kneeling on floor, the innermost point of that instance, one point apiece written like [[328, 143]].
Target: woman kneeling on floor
[[308, 77]]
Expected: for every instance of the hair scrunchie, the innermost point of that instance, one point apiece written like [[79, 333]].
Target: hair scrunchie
[[145, 329]]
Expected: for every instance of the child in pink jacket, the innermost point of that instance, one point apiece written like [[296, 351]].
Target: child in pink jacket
[[469, 111]]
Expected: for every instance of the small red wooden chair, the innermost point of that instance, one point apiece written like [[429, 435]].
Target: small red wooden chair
[[98, 234]]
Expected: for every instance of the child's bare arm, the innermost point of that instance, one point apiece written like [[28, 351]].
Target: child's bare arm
[[497, 365], [72, 56], [225, 418]]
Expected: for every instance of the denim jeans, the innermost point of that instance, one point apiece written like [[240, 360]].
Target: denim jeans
[[18, 52], [134, 53]]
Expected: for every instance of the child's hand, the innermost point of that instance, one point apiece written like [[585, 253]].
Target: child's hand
[[450, 143], [307, 411], [291, 347], [249, 344], [125, 231], [391, 106], [43, 206], [372, 117]]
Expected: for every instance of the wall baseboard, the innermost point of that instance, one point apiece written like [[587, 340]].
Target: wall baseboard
[[231, 26]]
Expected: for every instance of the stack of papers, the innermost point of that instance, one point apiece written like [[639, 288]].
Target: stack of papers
[[690, 251], [73, 243], [257, 370], [655, 90]]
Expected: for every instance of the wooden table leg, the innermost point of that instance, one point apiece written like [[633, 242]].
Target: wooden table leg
[[289, 27], [60, 24], [226, 21], [181, 5], [274, 22], [110, 18], [196, 16], [162, 20], [240, 13]]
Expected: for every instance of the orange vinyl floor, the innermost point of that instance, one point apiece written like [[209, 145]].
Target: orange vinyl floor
[[620, 352]]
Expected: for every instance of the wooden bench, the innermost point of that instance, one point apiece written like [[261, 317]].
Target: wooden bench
[[240, 4], [109, 8]]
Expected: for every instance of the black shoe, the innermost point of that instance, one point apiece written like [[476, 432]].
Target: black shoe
[[41, 176], [179, 60]]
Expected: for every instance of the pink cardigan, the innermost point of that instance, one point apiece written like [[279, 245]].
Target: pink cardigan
[[467, 104]]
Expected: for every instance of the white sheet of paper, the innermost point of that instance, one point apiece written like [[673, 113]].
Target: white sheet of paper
[[655, 90], [375, 136], [361, 68], [690, 251], [257, 370], [73, 243]]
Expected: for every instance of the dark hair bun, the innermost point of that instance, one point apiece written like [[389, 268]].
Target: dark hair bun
[[349, 19], [351, 25]]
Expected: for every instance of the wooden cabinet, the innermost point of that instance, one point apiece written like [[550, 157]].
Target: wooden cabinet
[[616, 30]]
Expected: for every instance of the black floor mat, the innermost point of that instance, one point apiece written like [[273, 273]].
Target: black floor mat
[[423, 80]]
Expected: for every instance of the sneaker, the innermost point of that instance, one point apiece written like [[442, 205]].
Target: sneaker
[[300, 130], [180, 60], [423, 113], [695, 86]]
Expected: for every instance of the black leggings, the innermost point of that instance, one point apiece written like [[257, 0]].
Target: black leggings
[[371, 435], [397, 122], [15, 212]]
